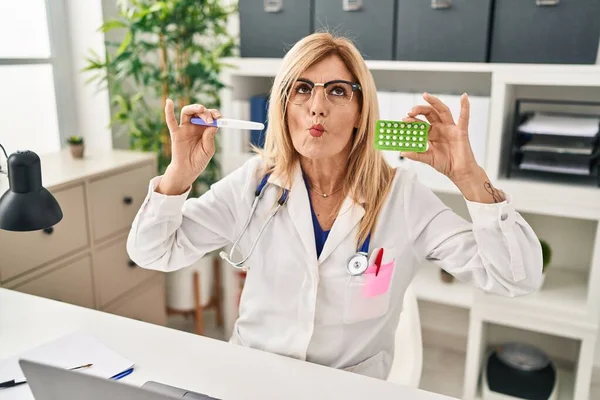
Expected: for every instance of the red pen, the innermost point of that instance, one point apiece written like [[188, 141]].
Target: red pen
[[378, 260]]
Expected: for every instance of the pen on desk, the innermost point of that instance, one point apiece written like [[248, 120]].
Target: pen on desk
[[122, 374], [81, 366], [13, 383]]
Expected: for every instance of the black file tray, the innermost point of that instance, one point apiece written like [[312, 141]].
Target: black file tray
[[554, 158]]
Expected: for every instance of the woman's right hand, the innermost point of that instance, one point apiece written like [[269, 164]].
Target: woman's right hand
[[192, 147]]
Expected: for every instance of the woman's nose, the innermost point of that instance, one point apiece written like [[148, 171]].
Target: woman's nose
[[319, 103]]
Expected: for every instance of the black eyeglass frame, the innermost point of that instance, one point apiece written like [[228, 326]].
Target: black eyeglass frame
[[355, 86]]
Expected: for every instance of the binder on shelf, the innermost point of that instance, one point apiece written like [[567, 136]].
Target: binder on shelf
[[258, 113], [555, 146]]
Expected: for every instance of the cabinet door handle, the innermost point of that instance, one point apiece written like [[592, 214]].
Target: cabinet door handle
[[131, 264], [546, 3], [49, 231], [273, 6], [127, 200], [440, 4], [352, 5]]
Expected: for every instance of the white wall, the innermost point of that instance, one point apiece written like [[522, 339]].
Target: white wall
[[92, 106]]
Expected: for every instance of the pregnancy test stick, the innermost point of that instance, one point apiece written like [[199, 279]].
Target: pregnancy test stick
[[230, 123]]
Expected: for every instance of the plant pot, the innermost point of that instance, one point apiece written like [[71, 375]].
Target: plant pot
[[180, 284], [76, 150], [446, 277]]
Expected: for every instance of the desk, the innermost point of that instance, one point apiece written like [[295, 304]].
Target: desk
[[186, 360]]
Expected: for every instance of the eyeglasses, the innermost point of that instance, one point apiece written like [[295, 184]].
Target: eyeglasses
[[338, 92]]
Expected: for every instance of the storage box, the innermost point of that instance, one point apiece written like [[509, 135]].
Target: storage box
[[442, 30], [545, 31], [269, 28], [370, 24]]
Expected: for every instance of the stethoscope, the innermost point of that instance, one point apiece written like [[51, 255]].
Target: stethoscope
[[357, 264]]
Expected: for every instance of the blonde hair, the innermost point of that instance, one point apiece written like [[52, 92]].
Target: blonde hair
[[368, 176]]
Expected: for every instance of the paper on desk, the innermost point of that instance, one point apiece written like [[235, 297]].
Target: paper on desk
[[547, 124], [67, 352]]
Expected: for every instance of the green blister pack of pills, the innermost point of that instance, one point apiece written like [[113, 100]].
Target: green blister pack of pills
[[401, 136]]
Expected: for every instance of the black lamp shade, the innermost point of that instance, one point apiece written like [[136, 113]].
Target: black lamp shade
[[26, 205]]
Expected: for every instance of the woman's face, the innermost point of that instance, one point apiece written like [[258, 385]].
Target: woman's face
[[322, 126]]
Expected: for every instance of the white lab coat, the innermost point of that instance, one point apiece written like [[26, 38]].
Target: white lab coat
[[311, 309]]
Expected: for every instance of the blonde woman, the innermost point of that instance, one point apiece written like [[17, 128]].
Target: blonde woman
[[328, 272]]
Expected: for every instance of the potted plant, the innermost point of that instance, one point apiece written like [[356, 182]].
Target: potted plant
[[546, 258], [76, 146], [168, 49]]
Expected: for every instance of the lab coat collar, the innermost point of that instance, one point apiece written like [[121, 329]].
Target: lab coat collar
[[278, 181], [298, 205]]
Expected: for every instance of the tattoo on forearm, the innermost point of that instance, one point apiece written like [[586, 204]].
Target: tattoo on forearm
[[495, 193]]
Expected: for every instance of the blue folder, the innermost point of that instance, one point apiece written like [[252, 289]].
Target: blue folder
[[259, 105]]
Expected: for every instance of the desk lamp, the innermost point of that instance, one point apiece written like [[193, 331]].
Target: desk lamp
[[27, 205]]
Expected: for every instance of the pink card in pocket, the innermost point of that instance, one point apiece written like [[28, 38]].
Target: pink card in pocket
[[377, 285]]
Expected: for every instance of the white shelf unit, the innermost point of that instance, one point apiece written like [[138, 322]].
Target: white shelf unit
[[567, 306]]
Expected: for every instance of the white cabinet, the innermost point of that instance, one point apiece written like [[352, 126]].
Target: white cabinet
[[116, 274], [83, 259], [564, 313], [24, 251], [71, 283], [116, 198]]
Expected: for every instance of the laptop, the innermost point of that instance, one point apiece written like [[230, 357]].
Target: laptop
[[52, 383]]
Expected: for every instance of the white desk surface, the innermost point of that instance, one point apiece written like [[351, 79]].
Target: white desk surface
[[186, 360]]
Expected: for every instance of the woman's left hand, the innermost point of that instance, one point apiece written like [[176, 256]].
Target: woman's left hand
[[449, 149]]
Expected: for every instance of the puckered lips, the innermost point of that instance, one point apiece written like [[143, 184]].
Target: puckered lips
[[316, 130]]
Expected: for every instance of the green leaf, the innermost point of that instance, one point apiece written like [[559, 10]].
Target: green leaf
[[125, 43], [132, 70], [112, 24], [158, 7]]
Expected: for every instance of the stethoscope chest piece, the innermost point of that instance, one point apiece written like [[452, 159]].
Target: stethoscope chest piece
[[358, 264]]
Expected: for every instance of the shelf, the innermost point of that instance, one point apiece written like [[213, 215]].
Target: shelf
[[555, 199], [560, 308], [561, 300], [268, 67], [563, 291], [428, 286], [565, 200], [528, 196], [566, 381], [566, 386]]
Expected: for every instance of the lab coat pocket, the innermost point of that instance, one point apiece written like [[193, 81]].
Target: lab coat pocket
[[368, 295]]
